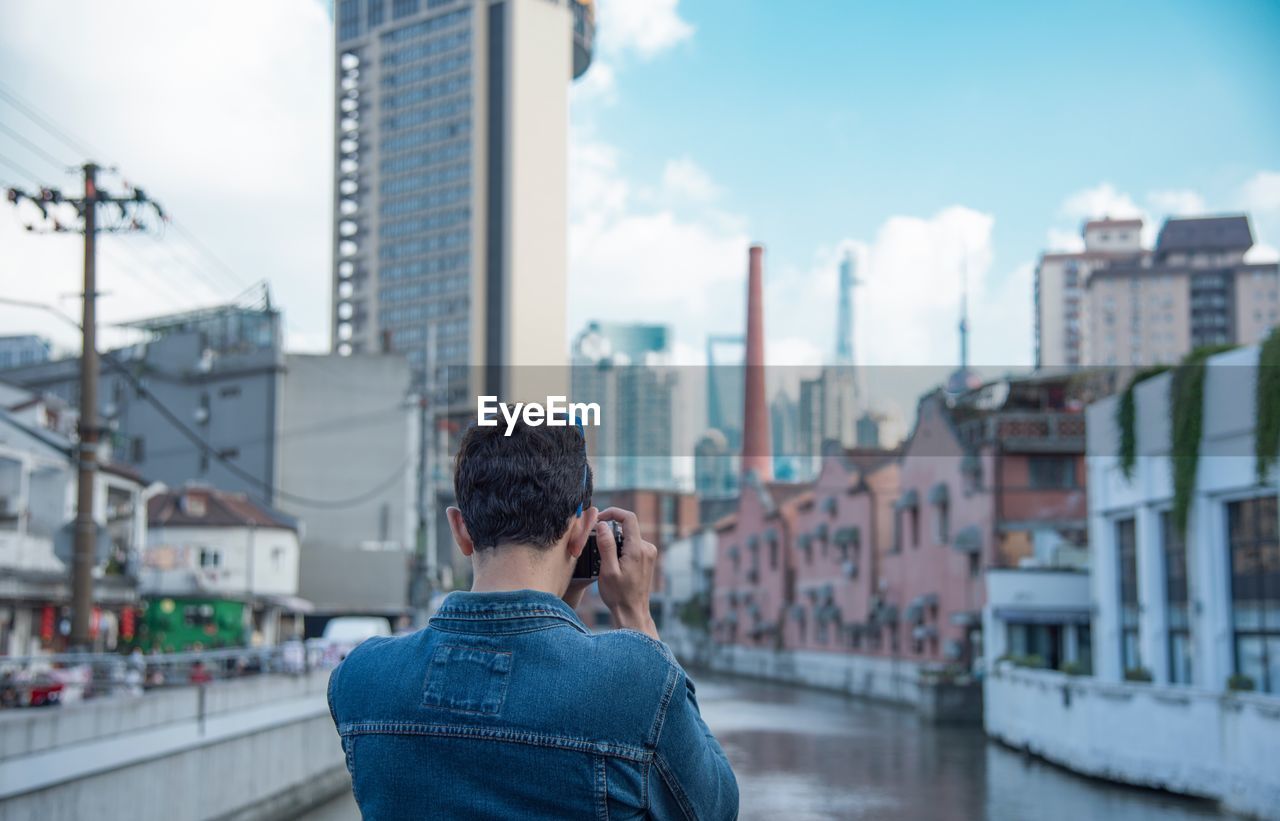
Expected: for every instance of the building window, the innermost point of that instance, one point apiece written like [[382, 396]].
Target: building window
[[913, 516], [348, 19], [773, 554], [210, 557], [403, 8], [1052, 472], [1175, 585], [944, 522], [1255, 590], [1127, 557]]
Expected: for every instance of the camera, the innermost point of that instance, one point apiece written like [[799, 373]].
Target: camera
[[588, 566]]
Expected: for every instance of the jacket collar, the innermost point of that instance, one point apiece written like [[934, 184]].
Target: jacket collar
[[506, 604]]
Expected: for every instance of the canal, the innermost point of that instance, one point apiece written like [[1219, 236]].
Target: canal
[[802, 754]]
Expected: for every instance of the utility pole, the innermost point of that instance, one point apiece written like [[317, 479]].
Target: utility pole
[[90, 431]]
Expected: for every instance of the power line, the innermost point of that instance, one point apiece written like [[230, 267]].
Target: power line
[[44, 121], [21, 169], [204, 249], [35, 149]]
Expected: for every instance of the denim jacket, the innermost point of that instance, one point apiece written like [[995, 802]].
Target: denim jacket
[[506, 706]]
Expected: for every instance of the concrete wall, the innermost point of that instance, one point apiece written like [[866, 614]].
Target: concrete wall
[[1183, 740], [886, 679], [260, 747]]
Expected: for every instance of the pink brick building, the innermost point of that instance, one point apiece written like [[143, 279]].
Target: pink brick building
[[884, 552]]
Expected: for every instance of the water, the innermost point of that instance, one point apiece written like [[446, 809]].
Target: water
[[800, 754]]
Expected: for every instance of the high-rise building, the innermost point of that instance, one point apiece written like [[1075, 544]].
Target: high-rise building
[[1117, 303], [1194, 289], [1060, 288], [726, 356], [624, 368], [844, 312], [450, 182]]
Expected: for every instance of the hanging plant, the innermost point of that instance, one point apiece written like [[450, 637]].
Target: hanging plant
[[1266, 431], [1186, 414], [1126, 419]]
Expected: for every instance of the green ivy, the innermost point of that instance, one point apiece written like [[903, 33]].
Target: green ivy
[[1266, 432], [1186, 414], [1126, 418]]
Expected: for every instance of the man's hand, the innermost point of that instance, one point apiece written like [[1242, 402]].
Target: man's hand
[[625, 581], [573, 596]]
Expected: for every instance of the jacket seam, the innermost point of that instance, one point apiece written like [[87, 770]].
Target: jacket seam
[[673, 784], [457, 632], [660, 718], [602, 789], [625, 751]]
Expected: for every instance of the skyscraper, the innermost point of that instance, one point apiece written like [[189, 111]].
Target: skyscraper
[[450, 181], [624, 368]]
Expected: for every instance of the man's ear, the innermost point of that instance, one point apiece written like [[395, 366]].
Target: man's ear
[[580, 529], [460, 534]]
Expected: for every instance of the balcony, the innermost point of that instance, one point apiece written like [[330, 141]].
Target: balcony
[[1027, 431]]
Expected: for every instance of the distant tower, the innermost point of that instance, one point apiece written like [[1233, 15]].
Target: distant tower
[[756, 455], [963, 379], [844, 312]]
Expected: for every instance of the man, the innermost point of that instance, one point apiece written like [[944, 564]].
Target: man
[[506, 705]]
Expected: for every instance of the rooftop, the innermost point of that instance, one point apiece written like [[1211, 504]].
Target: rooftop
[[196, 506], [1228, 233]]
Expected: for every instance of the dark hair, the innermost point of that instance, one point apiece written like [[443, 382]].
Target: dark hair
[[522, 488]]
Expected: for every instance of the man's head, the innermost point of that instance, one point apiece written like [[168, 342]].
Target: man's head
[[529, 490]]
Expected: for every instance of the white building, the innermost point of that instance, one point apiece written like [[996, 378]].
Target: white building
[[687, 567], [37, 511], [1198, 609], [1185, 628], [208, 543]]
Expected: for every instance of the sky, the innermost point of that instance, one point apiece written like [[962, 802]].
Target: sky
[[935, 141]]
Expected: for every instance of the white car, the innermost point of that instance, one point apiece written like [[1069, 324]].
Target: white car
[[343, 633]]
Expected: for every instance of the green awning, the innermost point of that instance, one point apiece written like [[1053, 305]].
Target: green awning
[[938, 494], [909, 499], [968, 540], [848, 535]]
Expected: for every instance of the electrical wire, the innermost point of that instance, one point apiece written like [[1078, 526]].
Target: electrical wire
[[35, 149], [21, 169], [44, 121]]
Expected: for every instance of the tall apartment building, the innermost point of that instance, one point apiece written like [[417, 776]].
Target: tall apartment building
[[1117, 303], [1060, 288], [450, 181], [1194, 289]]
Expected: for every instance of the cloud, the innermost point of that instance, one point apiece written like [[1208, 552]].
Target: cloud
[[684, 178], [1100, 201], [1058, 239], [235, 149], [1177, 203], [643, 27], [1262, 253], [1261, 192]]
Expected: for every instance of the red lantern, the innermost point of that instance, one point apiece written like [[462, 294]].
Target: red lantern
[[126, 624], [94, 621], [47, 617]]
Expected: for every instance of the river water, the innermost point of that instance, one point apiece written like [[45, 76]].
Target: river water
[[801, 754]]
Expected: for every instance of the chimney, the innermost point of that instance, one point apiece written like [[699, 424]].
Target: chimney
[[756, 453]]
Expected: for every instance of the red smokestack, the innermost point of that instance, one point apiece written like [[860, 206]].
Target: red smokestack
[[756, 453]]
